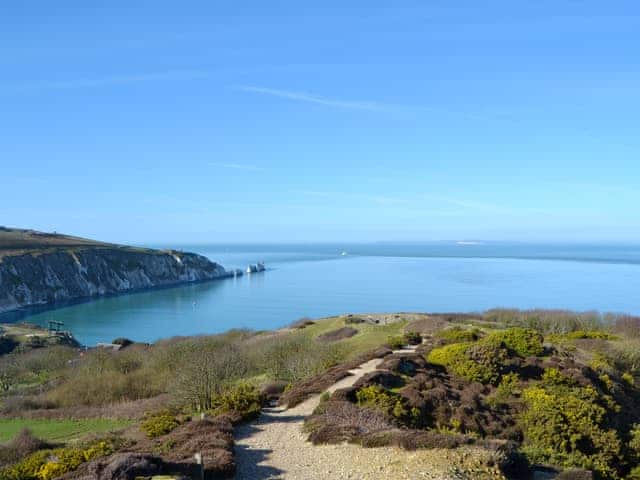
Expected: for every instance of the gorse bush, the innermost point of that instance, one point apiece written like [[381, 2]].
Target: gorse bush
[[378, 398], [524, 342], [480, 361], [590, 334], [396, 342], [564, 424], [459, 334], [50, 464], [242, 399], [159, 423]]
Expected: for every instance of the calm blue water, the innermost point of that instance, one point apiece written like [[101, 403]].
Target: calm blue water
[[315, 280]]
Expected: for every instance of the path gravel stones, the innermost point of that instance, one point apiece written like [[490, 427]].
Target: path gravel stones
[[274, 447]]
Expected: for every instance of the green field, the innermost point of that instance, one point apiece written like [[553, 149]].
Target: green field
[[59, 430]]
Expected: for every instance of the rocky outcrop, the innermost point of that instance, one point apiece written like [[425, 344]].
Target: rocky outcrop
[[38, 278]]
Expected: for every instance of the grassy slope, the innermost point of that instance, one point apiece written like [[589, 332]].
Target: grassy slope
[[15, 241]]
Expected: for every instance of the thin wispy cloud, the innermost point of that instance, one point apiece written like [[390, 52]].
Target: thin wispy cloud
[[238, 166], [109, 80], [320, 100], [377, 199]]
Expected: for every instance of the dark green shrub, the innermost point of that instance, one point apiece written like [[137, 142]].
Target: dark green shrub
[[477, 362], [521, 341], [459, 335], [122, 341], [243, 399], [159, 423], [7, 344]]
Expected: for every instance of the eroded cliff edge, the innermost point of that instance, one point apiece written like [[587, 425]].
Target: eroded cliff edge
[[39, 276]]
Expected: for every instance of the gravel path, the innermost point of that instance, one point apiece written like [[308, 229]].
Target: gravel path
[[274, 447]]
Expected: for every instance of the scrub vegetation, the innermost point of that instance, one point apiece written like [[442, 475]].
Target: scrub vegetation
[[534, 387], [542, 388]]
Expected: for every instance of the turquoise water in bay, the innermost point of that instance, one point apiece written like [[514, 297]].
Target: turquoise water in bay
[[316, 280]]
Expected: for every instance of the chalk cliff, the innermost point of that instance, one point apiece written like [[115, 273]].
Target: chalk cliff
[[37, 277]]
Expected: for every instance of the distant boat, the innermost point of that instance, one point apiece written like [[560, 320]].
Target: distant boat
[[468, 243], [344, 254]]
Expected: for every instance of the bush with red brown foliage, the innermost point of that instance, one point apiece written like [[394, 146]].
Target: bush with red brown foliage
[[23, 444], [171, 454]]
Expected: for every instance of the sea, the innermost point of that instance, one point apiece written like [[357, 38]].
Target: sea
[[318, 280]]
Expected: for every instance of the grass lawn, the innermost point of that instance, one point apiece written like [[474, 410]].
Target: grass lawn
[[369, 336], [59, 430]]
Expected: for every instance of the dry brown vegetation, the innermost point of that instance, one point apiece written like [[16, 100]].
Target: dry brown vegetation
[[418, 404], [338, 334]]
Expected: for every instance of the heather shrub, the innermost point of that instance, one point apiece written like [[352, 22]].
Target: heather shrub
[[477, 362], [23, 444], [524, 342], [458, 334], [338, 334], [159, 423], [243, 399]]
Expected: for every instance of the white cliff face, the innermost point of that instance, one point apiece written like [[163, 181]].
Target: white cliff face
[[41, 278]]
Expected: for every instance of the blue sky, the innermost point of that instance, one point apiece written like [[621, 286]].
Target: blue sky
[[285, 121]]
